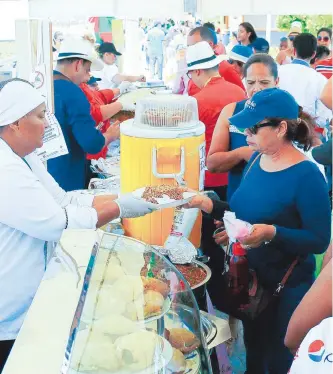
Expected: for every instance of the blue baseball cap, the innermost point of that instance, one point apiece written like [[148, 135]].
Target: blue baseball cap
[[241, 53], [260, 45], [268, 103], [93, 80]]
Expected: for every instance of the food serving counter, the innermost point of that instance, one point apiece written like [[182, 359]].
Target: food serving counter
[[74, 326]]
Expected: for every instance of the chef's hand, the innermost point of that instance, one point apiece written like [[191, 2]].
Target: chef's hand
[[127, 105], [124, 87], [260, 235], [142, 78], [114, 130], [132, 207], [221, 238]]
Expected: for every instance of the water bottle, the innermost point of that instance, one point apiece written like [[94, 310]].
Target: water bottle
[[239, 276]]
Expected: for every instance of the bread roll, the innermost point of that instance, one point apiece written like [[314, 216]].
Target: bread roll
[[129, 288], [182, 339], [153, 303], [135, 310], [177, 365], [101, 302], [131, 261], [138, 351], [107, 273], [94, 352], [115, 325], [154, 284]]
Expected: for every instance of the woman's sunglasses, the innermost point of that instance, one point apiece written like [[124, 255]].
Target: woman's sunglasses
[[291, 38], [254, 129], [325, 38]]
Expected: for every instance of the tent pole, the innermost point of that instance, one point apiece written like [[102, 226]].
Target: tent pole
[[268, 27]]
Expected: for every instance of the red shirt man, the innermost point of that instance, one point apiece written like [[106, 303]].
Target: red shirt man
[[98, 98], [227, 71], [212, 98], [215, 93]]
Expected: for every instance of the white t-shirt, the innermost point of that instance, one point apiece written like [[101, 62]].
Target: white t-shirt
[[306, 85], [107, 75], [315, 355], [155, 39], [32, 213]]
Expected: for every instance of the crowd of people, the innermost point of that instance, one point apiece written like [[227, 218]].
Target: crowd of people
[[268, 136]]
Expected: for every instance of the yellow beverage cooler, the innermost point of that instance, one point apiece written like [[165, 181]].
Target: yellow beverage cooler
[[165, 142]]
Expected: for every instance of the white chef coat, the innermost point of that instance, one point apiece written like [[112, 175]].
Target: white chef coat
[[32, 212], [107, 75], [306, 85], [315, 354]]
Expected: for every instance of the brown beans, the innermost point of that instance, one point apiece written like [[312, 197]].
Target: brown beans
[[152, 192]]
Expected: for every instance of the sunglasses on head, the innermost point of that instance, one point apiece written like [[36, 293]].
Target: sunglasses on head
[[324, 38], [254, 129]]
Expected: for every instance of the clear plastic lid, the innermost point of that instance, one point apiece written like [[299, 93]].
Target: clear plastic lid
[[136, 314], [167, 111]]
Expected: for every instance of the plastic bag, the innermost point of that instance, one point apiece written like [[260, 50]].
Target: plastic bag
[[236, 228]]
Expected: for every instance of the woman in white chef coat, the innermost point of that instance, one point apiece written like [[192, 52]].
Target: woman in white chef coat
[[34, 210]]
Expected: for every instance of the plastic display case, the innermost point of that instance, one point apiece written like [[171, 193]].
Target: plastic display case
[[167, 111], [136, 314]]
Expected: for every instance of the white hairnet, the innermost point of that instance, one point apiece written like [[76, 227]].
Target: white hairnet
[[17, 98]]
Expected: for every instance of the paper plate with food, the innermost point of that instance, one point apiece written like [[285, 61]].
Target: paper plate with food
[[165, 196]]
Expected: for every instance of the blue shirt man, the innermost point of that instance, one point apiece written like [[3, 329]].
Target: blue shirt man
[[72, 110]]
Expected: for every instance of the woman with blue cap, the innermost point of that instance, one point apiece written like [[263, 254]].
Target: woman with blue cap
[[285, 197]]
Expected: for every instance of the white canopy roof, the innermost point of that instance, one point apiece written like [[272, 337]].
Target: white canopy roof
[[67, 9], [213, 8], [78, 9]]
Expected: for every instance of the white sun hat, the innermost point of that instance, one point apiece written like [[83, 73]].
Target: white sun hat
[[80, 48], [202, 56]]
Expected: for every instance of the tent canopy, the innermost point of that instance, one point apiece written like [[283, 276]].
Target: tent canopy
[[213, 8], [68, 9], [78, 9]]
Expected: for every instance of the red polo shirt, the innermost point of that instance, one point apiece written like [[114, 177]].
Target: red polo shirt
[[96, 99], [227, 71], [211, 100]]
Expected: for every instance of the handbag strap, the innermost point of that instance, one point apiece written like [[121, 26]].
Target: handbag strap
[[286, 276], [253, 162], [294, 263]]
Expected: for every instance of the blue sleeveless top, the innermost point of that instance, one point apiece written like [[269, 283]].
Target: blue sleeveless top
[[237, 140]]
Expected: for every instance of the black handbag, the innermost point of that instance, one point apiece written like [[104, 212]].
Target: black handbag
[[259, 296]]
